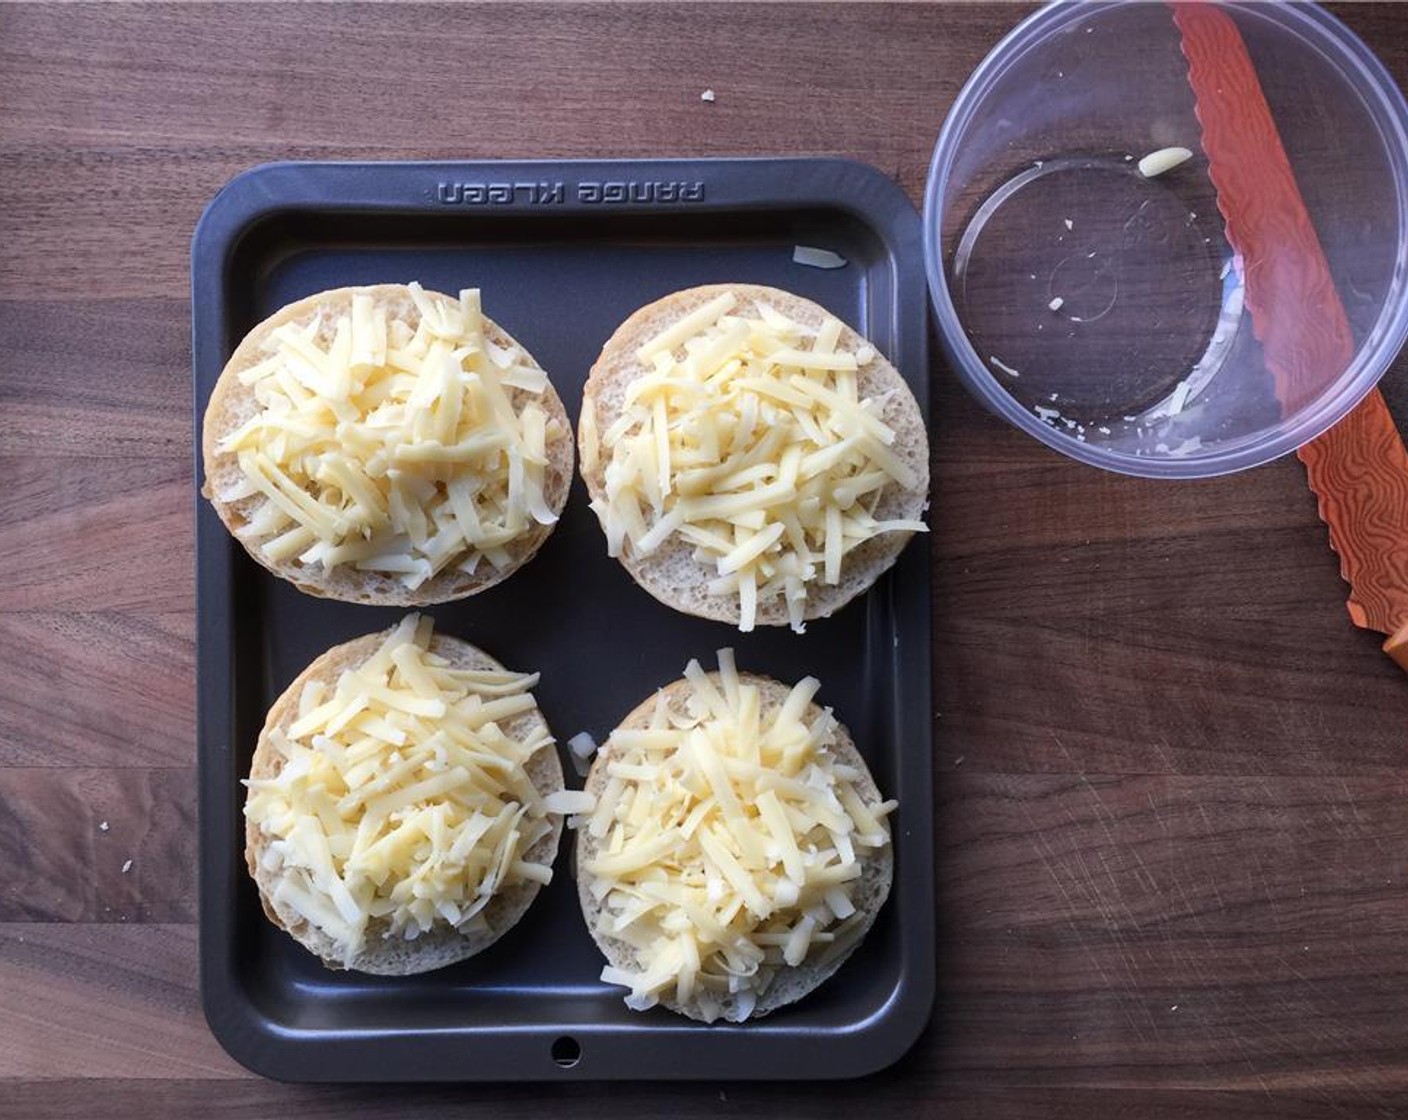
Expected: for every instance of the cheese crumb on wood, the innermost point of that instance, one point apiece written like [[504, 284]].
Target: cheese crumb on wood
[[402, 796], [746, 438], [403, 446], [731, 843]]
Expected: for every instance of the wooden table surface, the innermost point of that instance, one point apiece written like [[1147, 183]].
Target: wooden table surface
[[1172, 780]]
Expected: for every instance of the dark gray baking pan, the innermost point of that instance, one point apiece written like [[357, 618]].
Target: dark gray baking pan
[[563, 251]]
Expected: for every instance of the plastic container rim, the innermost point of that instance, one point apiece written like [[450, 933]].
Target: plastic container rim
[[1389, 111]]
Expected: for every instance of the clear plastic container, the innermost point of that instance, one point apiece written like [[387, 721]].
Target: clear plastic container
[[1102, 310]]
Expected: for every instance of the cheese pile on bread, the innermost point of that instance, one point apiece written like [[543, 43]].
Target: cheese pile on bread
[[749, 457], [400, 802], [738, 849], [387, 445]]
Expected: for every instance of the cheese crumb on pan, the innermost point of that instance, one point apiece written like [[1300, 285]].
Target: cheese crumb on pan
[[813, 257], [729, 843], [747, 439], [396, 448], [400, 797]]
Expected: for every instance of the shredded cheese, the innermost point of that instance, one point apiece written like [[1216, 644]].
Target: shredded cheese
[[746, 439], [397, 447], [401, 798], [729, 843]]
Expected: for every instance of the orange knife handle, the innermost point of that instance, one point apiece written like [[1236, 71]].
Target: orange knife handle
[[1359, 472], [1397, 647]]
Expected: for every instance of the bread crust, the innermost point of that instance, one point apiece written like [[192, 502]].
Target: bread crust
[[442, 945], [232, 404], [671, 574], [868, 895]]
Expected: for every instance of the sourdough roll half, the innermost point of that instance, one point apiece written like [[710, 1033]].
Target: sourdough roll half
[[386, 445], [738, 849], [750, 458], [402, 804]]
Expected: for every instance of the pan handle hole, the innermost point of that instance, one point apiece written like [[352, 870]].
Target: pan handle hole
[[566, 1052]]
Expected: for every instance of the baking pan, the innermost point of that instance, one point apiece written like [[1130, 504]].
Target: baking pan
[[563, 251]]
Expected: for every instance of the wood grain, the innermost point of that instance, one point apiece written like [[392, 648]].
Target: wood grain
[[127, 1100], [106, 688], [1172, 814], [1186, 923], [119, 536], [111, 1001], [60, 397], [127, 855]]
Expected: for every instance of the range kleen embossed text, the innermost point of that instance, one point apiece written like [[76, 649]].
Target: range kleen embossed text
[[499, 194], [647, 190], [547, 194]]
